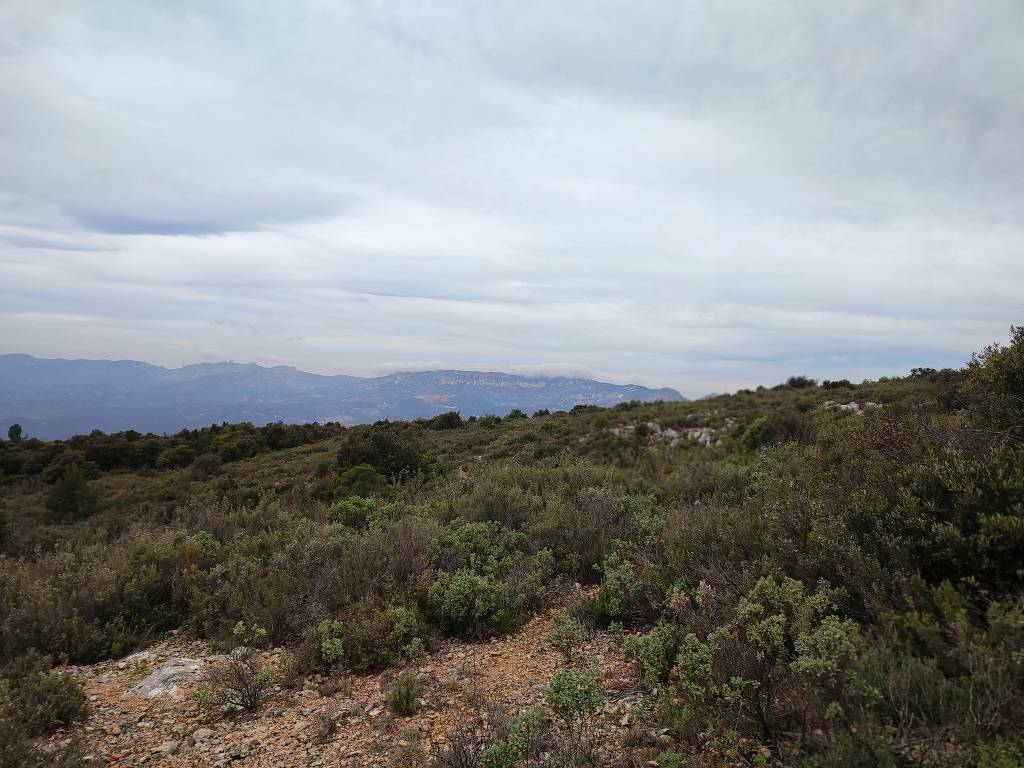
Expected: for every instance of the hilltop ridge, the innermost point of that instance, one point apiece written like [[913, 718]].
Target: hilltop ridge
[[57, 398]]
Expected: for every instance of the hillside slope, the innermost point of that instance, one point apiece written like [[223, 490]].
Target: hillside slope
[[804, 575]]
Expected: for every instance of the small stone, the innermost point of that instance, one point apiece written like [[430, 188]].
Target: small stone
[[168, 747], [113, 729], [202, 734]]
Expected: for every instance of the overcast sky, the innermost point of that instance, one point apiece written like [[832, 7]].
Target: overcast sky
[[703, 195]]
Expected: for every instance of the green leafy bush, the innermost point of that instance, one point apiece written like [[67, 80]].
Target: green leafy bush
[[368, 637], [781, 659], [566, 635], [652, 653], [402, 698], [72, 497], [473, 606], [574, 694], [38, 699]]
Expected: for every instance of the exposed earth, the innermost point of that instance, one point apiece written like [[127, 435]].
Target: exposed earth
[[142, 708]]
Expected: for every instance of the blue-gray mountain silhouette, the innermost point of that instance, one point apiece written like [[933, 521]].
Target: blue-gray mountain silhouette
[[57, 398]]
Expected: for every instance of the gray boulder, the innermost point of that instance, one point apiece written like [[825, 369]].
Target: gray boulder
[[168, 677]]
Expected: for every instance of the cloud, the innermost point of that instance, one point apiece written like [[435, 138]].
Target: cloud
[[684, 194]]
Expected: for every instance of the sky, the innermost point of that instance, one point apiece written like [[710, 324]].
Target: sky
[[698, 194]]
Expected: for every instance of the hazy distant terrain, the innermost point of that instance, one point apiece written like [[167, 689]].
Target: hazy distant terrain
[[57, 398]]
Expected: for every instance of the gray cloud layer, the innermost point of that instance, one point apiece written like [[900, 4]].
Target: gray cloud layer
[[702, 195]]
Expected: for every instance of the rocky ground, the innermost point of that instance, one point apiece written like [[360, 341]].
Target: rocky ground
[[142, 708]]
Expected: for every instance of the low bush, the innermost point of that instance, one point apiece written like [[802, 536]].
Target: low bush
[[574, 696], [567, 635], [368, 637], [72, 497], [38, 699], [241, 681], [474, 606], [402, 697], [652, 653]]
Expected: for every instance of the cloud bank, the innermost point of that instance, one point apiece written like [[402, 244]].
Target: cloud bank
[[682, 194]]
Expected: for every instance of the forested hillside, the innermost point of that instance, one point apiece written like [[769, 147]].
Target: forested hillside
[[811, 574]]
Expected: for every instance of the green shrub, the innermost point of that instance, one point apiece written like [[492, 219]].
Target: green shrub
[[38, 699], [380, 449], [361, 480], [566, 634], [205, 466], [668, 760], [782, 659], [999, 754], [652, 653], [473, 606], [360, 513], [500, 754], [369, 637], [402, 698], [242, 680], [72, 497], [756, 434], [574, 694], [446, 420]]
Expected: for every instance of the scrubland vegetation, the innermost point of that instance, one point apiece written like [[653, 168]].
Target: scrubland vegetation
[[816, 586]]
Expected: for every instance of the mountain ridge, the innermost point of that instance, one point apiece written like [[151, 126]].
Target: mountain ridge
[[55, 398]]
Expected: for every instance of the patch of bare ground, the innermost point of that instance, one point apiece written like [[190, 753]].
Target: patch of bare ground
[[460, 685]]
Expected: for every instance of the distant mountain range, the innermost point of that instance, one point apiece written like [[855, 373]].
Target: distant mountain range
[[56, 398]]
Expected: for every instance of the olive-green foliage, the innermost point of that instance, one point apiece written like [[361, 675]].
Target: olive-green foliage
[[72, 497], [378, 447], [402, 698], [566, 635], [523, 742], [205, 466], [447, 420], [242, 680], [998, 754], [361, 513], [780, 657], [473, 606], [994, 388], [38, 699], [360, 480], [667, 759], [368, 637], [652, 653], [500, 754], [574, 693]]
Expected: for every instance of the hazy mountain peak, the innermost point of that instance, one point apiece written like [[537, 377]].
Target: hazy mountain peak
[[56, 398]]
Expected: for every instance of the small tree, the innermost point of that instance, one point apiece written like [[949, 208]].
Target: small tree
[[14, 433], [800, 382]]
